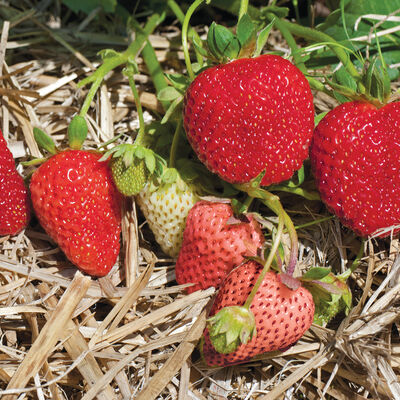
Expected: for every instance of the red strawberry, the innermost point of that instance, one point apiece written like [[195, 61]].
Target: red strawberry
[[76, 202], [250, 115], [14, 201], [282, 315], [214, 242], [355, 156]]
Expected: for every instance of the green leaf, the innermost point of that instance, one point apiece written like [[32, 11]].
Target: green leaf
[[246, 30], [263, 38], [87, 6], [168, 94]]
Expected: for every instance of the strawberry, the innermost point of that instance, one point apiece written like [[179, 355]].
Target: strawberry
[[131, 179], [165, 208], [250, 115], [78, 205], [214, 242], [14, 201], [355, 160], [281, 315]]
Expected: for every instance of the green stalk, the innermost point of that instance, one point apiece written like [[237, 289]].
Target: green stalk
[[316, 36], [139, 109], [273, 203], [291, 43], [314, 83], [112, 62], [185, 27], [172, 4], [296, 10], [174, 145], [267, 264], [155, 70]]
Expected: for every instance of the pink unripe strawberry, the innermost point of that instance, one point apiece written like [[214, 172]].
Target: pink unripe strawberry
[[214, 242], [282, 315]]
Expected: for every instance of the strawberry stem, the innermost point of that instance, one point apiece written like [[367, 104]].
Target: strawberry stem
[[139, 109], [172, 4], [272, 201], [267, 264], [174, 145], [185, 27], [317, 36], [120, 58], [314, 83]]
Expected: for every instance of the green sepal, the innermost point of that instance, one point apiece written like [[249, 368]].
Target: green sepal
[[246, 34], [262, 38], [132, 166], [376, 80], [44, 141], [77, 132], [231, 327], [344, 84], [222, 43], [319, 117], [169, 175], [330, 293]]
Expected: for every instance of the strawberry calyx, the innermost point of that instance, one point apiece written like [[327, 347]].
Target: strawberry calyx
[[330, 292], [132, 165], [231, 327]]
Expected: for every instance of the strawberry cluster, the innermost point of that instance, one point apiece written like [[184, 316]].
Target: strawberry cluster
[[249, 120]]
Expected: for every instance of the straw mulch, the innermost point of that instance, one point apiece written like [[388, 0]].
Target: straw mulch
[[133, 334]]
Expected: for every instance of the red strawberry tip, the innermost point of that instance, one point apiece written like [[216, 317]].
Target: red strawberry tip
[[231, 327]]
